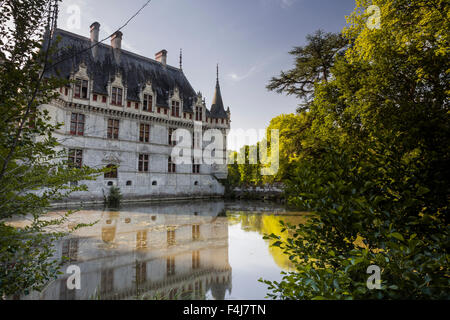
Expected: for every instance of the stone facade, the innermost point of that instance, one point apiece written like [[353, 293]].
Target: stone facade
[[121, 112]]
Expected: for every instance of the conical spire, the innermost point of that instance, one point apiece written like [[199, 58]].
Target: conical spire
[[217, 109]]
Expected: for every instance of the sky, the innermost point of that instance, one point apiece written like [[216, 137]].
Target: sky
[[249, 39]]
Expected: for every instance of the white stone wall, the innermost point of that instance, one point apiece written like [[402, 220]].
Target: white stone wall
[[99, 151]]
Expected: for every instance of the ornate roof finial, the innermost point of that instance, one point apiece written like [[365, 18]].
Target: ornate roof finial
[[181, 59]]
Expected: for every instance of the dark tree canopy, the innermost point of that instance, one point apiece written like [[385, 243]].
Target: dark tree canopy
[[313, 64]]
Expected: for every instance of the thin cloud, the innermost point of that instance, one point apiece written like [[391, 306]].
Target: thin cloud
[[235, 77], [255, 69]]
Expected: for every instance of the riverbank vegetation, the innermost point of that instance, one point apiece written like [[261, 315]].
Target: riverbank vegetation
[[367, 152]]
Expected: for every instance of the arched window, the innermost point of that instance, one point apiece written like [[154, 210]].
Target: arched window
[[112, 171]]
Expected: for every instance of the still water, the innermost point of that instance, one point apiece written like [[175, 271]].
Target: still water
[[194, 250]]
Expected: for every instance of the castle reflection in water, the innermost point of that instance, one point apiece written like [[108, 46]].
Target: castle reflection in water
[[162, 251]]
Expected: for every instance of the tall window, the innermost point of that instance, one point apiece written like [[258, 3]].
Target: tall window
[[141, 240], [144, 132], [195, 259], [175, 108], [171, 237], [107, 281], [112, 173], [143, 163], [116, 98], [141, 272], [70, 249], [198, 114], [195, 166], [81, 89], [196, 140], [148, 103], [172, 166], [171, 137], [113, 129], [75, 158], [198, 288], [77, 124], [195, 232], [170, 266]]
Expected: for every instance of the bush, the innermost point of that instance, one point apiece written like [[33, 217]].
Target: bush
[[114, 197]]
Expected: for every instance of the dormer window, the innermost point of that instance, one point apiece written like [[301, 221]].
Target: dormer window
[[175, 108], [81, 89], [116, 98], [148, 103]]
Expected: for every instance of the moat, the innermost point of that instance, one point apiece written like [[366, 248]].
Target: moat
[[180, 250]]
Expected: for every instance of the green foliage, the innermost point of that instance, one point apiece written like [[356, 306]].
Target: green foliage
[[364, 216], [114, 197], [291, 128], [244, 168], [34, 171], [374, 165]]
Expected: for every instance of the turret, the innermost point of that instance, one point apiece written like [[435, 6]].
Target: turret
[[217, 109]]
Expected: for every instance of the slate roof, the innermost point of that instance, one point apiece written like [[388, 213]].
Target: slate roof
[[136, 70], [217, 109]]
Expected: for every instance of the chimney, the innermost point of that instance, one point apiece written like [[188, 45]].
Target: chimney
[[116, 44], [95, 30], [161, 57]]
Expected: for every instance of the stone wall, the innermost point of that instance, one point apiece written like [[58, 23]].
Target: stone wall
[[99, 151]]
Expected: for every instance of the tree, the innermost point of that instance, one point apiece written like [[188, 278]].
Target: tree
[[313, 64], [233, 177], [292, 139], [114, 198], [379, 185], [34, 171], [246, 169]]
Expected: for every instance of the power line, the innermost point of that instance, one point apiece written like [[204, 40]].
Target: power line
[[103, 40]]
